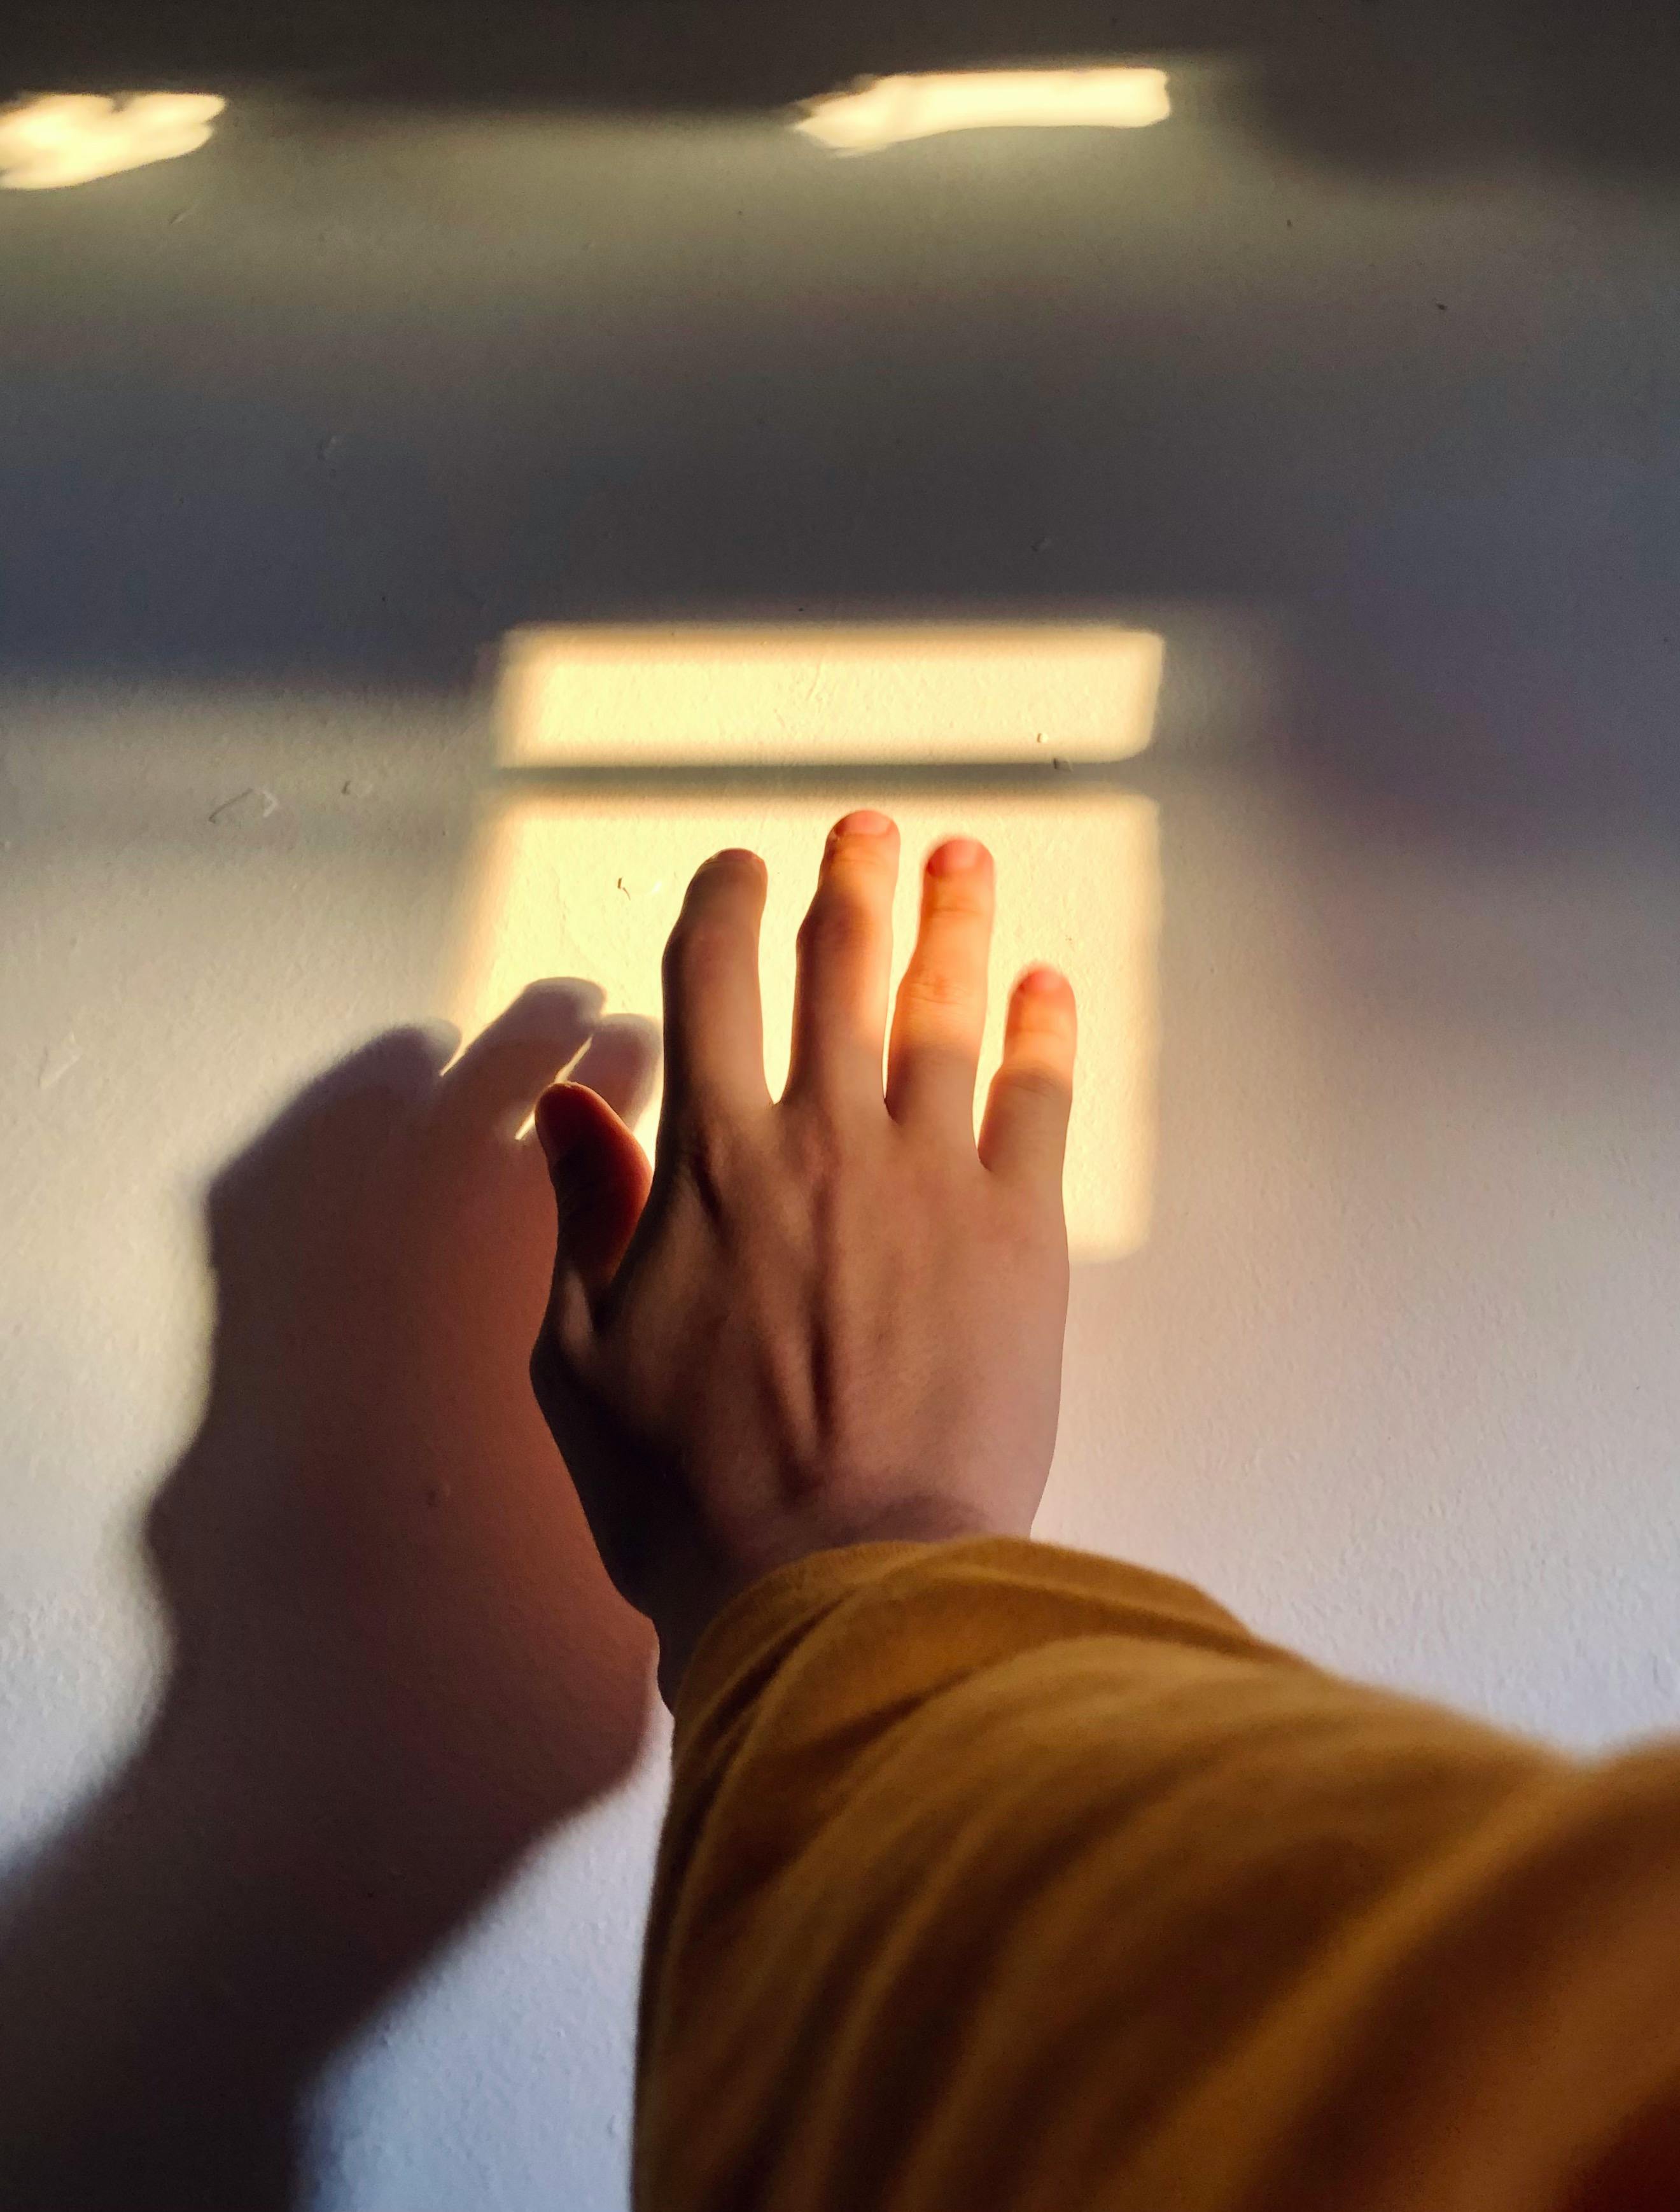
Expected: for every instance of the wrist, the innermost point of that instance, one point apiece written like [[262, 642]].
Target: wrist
[[691, 1603]]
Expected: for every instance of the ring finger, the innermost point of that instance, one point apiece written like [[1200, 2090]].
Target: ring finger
[[935, 1053]]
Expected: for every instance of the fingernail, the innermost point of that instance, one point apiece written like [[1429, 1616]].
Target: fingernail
[[733, 853], [1044, 979], [955, 857], [864, 822]]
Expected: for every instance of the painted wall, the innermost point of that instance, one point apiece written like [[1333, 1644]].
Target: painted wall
[[293, 430]]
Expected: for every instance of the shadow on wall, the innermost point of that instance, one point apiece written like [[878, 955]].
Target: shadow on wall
[[397, 1663]]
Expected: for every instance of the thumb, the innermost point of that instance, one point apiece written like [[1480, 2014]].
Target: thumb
[[601, 1176]]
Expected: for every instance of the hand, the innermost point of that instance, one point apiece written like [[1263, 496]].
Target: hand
[[833, 1317]]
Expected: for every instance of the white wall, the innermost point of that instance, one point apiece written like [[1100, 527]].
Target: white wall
[[290, 428]]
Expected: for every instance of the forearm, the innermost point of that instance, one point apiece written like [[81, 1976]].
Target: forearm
[[995, 1873], [815, 1787]]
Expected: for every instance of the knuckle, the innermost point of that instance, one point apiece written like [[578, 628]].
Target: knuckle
[[1040, 1085], [707, 1155], [698, 950], [867, 864], [833, 930], [819, 1145], [936, 987], [961, 899]]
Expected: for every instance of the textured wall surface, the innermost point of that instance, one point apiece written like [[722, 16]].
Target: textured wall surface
[[293, 429]]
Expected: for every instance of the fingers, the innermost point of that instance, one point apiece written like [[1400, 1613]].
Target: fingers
[[713, 1025], [1025, 1133], [601, 1176], [941, 1011], [493, 1082], [845, 959]]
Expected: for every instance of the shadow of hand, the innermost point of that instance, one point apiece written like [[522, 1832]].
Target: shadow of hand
[[389, 1616], [397, 1660]]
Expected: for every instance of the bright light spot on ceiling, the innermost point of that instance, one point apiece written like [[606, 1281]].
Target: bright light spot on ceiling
[[585, 882], [885, 110], [777, 697], [72, 138]]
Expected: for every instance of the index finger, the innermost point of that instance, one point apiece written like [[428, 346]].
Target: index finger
[[714, 1020]]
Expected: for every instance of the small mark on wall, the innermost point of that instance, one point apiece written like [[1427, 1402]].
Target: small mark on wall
[[56, 1063], [244, 808]]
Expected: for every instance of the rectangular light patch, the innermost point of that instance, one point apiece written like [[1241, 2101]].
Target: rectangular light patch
[[695, 694]]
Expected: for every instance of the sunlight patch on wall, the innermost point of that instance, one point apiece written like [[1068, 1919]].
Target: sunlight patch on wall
[[888, 110], [586, 879], [590, 885], [642, 695], [72, 138]]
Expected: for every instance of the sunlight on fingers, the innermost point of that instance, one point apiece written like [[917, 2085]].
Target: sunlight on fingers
[[590, 885]]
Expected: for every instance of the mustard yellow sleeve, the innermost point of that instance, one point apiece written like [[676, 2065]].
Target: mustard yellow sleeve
[[998, 1878]]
